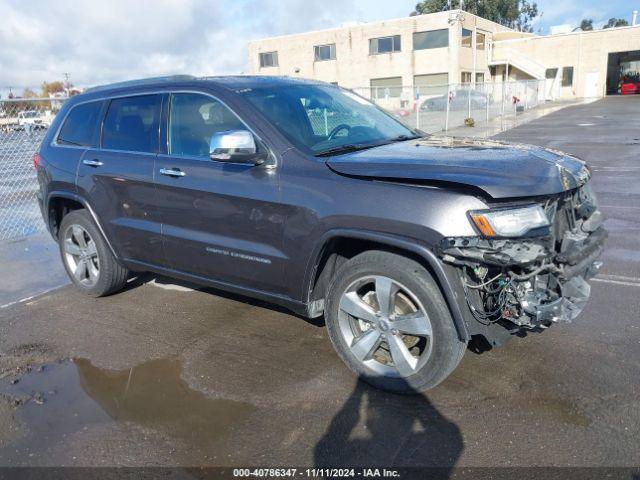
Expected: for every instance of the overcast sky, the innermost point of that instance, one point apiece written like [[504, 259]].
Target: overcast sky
[[111, 40]]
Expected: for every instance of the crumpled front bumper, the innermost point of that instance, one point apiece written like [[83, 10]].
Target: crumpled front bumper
[[548, 287]]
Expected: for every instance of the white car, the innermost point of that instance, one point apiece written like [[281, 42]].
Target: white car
[[32, 118]]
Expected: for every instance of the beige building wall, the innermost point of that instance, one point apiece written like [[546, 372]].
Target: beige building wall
[[354, 66], [527, 56], [586, 52]]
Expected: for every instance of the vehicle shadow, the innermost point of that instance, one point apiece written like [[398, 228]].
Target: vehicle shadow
[[378, 429], [143, 278]]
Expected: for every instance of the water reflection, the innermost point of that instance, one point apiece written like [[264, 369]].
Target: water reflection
[[78, 394]]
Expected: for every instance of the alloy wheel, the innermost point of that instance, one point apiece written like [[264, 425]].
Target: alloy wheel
[[385, 326], [81, 255]]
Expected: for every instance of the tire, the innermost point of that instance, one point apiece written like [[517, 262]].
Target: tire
[[99, 273], [432, 357]]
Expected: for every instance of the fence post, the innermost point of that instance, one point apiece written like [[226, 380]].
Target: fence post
[[488, 104], [504, 93], [417, 104], [326, 122], [446, 118]]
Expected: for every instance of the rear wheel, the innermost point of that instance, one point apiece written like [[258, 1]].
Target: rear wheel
[[86, 257], [390, 324]]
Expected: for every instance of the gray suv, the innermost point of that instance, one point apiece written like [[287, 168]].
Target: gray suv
[[308, 196]]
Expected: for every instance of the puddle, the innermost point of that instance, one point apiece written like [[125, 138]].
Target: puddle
[[60, 399]]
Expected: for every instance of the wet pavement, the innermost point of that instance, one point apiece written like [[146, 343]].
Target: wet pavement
[[166, 373], [30, 266]]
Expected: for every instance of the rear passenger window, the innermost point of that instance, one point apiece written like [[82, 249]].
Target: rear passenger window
[[80, 125], [193, 119], [131, 124]]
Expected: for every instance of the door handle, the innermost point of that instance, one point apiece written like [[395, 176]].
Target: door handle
[[172, 172], [93, 163]]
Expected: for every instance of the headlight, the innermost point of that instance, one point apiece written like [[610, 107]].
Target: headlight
[[509, 223]]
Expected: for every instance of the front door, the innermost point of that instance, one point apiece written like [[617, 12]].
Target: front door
[[221, 221], [591, 87], [117, 178]]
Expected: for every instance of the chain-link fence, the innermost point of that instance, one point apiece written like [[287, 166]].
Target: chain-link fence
[[23, 124], [439, 108]]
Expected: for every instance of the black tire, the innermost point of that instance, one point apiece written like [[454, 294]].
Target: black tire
[[112, 276], [447, 349]]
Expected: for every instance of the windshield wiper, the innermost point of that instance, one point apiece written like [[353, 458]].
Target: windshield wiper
[[354, 147], [351, 147], [404, 138]]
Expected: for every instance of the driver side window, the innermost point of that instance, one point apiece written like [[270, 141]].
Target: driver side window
[[193, 119]]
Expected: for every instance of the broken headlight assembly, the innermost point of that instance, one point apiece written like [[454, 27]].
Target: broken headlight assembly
[[513, 222], [527, 267]]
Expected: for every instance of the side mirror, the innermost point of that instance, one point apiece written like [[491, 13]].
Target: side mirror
[[235, 146]]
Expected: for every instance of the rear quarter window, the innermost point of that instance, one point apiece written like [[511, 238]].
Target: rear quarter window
[[80, 125]]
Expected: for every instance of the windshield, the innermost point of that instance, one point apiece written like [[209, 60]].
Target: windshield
[[320, 119]]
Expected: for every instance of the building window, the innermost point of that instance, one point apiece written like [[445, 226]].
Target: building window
[[324, 52], [551, 73], [384, 45], [567, 77], [466, 77], [432, 39], [269, 59], [386, 87], [480, 41], [431, 84], [466, 37], [479, 77]]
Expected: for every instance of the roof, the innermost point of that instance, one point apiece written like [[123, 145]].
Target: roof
[[230, 82]]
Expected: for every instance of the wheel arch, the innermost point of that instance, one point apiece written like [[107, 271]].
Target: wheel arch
[[59, 203], [337, 246]]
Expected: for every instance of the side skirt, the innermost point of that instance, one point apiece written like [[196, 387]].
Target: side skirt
[[297, 307]]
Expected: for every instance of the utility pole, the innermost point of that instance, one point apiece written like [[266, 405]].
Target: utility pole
[[66, 84]]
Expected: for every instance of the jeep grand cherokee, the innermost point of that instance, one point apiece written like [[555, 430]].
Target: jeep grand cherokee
[[307, 195]]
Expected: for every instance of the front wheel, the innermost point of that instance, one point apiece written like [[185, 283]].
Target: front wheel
[[86, 256], [390, 324]]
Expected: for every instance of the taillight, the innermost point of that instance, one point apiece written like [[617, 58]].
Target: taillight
[[36, 160]]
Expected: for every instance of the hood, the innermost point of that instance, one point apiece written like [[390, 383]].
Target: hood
[[500, 169]]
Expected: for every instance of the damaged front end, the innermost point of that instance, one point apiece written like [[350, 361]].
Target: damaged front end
[[537, 279]]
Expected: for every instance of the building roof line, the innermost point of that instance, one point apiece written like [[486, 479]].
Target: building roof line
[[372, 24], [581, 32]]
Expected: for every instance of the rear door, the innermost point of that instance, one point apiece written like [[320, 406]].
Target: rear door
[[222, 221], [117, 177]]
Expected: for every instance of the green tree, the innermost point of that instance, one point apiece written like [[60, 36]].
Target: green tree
[[516, 14], [616, 22], [586, 25]]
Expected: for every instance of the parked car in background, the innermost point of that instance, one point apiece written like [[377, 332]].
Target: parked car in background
[[309, 196], [31, 118], [629, 88], [459, 101]]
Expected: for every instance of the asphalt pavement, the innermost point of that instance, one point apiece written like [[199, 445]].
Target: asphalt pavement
[[166, 373]]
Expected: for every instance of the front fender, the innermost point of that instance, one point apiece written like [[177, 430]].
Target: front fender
[[447, 284]]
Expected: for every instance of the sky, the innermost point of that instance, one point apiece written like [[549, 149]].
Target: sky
[[98, 42]]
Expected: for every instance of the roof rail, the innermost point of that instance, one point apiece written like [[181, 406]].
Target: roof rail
[[142, 81]]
